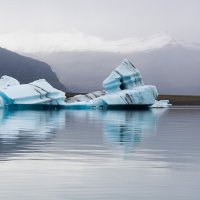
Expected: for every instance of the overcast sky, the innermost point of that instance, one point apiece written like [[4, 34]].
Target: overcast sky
[[105, 19], [48, 27]]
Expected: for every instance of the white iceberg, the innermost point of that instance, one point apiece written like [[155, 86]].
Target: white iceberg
[[123, 88], [7, 81], [36, 93], [161, 104]]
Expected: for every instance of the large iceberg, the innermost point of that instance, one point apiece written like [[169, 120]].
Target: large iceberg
[[123, 88]]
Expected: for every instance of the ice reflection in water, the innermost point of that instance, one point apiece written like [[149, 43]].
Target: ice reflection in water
[[126, 129], [23, 131], [29, 131], [100, 154]]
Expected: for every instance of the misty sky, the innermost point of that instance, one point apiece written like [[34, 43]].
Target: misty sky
[[48, 27], [108, 19]]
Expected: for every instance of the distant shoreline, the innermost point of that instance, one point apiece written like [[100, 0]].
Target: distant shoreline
[[182, 100]]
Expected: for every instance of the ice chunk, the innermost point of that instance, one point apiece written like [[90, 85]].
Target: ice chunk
[[161, 104], [126, 76], [37, 92], [7, 81], [123, 88], [140, 96], [87, 97]]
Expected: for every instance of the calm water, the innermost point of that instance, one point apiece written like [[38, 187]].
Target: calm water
[[59, 155]]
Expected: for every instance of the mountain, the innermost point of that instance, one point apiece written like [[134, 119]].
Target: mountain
[[26, 69], [173, 68]]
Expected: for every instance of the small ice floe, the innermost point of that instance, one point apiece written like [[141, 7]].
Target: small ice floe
[[161, 104]]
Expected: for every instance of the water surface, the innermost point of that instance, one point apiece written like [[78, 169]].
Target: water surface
[[57, 155]]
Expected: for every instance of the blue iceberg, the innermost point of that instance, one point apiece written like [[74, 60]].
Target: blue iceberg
[[123, 88]]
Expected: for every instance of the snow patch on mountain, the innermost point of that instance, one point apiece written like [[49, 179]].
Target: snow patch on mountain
[[69, 41]]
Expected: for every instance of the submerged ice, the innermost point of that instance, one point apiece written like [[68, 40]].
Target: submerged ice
[[122, 88]]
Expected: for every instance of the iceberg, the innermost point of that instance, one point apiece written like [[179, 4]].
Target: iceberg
[[36, 93], [123, 88], [161, 104], [7, 81]]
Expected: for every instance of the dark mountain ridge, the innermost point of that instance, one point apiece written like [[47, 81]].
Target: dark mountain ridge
[[26, 69]]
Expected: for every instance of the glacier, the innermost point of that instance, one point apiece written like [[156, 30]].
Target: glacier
[[123, 88]]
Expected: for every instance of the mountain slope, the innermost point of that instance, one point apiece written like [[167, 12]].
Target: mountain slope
[[174, 68], [26, 69]]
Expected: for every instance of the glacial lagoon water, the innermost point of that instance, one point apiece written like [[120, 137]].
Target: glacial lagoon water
[[100, 155]]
